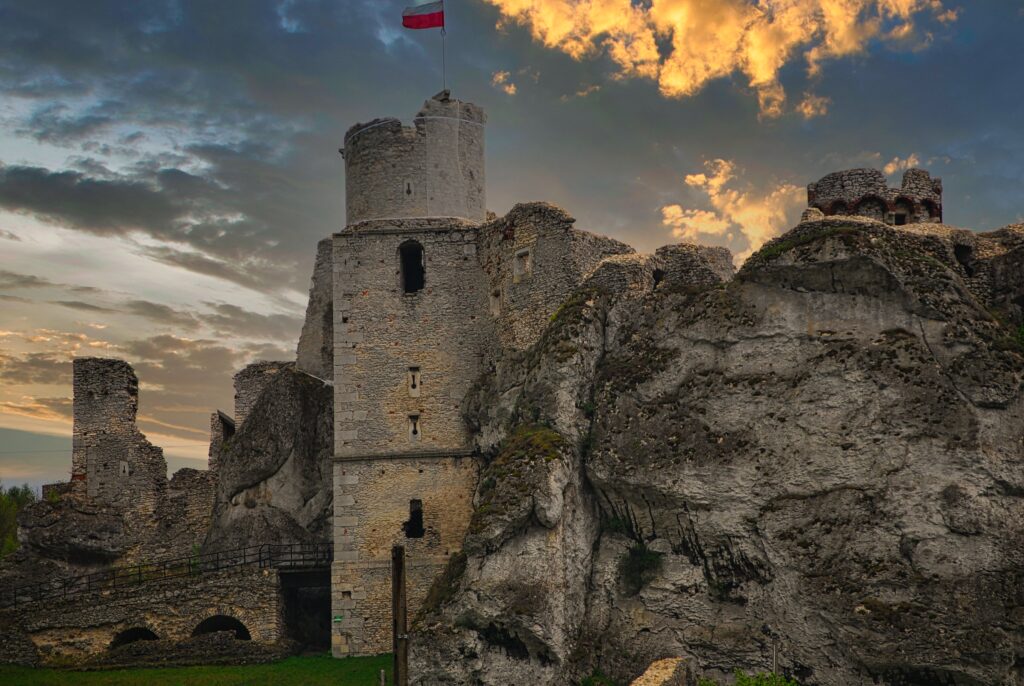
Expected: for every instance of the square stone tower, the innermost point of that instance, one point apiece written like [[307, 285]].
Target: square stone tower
[[410, 321]]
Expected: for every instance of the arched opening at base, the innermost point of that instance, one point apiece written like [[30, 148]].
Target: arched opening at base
[[131, 636], [222, 623]]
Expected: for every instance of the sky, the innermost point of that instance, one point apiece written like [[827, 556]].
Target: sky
[[167, 166]]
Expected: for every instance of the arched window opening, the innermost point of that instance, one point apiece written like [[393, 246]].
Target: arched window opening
[[222, 623], [131, 636], [871, 207], [414, 527], [903, 212], [659, 275], [839, 208], [410, 257]]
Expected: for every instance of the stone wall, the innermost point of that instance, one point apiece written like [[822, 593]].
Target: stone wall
[[250, 382], [433, 169], [315, 353], [372, 506], [381, 333], [86, 625], [864, 192], [533, 260], [222, 427], [112, 462]]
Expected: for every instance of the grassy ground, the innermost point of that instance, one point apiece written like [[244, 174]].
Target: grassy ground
[[294, 671]]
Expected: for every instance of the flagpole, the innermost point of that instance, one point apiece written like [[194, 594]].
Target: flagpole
[[444, 65]]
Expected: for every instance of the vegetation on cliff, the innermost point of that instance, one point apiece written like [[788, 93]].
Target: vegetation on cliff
[[13, 499]]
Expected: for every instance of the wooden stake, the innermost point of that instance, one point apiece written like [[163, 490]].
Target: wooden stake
[[400, 639]]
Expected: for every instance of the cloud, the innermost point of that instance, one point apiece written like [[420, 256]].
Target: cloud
[[82, 305], [162, 314], [813, 106], [35, 368], [684, 44], [502, 80], [8, 236], [756, 214], [52, 409], [230, 320], [901, 164]]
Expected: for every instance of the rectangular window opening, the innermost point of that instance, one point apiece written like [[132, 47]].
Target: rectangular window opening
[[414, 427], [414, 526], [414, 382]]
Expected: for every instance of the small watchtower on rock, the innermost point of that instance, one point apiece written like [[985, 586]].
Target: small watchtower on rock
[[864, 193]]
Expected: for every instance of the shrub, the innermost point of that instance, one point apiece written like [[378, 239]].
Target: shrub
[[597, 679], [12, 501], [762, 679]]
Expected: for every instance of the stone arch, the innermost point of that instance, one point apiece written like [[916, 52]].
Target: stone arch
[[222, 623], [904, 211], [872, 207], [135, 633], [838, 207], [932, 209], [411, 264]]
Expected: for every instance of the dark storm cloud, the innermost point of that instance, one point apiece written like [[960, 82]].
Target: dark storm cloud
[[81, 305], [35, 368]]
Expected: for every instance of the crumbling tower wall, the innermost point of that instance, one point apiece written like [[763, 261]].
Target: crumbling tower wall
[[112, 462], [864, 192], [434, 168]]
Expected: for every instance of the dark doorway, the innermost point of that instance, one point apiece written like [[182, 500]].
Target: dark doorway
[[307, 608], [410, 257], [222, 623]]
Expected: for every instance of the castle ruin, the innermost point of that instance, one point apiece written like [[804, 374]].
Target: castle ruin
[[864, 193]]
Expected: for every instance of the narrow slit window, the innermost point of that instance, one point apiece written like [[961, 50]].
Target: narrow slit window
[[410, 258], [414, 427], [414, 527], [495, 302], [414, 382]]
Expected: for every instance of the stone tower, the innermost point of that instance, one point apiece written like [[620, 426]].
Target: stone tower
[[408, 305], [864, 192]]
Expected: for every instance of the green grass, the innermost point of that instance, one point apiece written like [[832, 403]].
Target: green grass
[[293, 671]]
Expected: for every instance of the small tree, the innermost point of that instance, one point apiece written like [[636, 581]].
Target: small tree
[[12, 501]]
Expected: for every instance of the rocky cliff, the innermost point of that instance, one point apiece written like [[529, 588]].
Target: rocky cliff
[[820, 457], [274, 479]]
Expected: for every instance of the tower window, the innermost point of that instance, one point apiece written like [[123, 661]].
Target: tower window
[[410, 257], [414, 427], [125, 469], [414, 382], [900, 219], [414, 527], [495, 303], [522, 265]]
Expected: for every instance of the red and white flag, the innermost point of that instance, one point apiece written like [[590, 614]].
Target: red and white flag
[[427, 16]]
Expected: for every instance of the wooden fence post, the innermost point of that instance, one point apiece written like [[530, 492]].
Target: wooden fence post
[[400, 639]]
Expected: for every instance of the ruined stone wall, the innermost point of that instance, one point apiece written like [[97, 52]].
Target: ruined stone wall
[[250, 382], [85, 625], [433, 169], [372, 503], [222, 427], [182, 517], [864, 192], [533, 260], [112, 462], [315, 353]]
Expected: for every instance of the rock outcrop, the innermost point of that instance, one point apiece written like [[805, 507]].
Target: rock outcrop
[[275, 472], [821, 457]]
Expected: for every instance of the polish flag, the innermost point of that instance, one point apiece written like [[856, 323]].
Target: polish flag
[[427, 16]]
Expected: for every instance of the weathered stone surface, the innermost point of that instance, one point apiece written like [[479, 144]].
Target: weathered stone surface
[[274, 473], [825, 449], [315, 352]]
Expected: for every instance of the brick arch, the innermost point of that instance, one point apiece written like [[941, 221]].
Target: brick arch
[[871, 206]]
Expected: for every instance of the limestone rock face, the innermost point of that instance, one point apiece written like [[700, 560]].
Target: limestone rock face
[[823, 455], [275, 472]]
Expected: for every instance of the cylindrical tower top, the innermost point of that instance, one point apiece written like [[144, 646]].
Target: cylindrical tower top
[[434, 168]]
